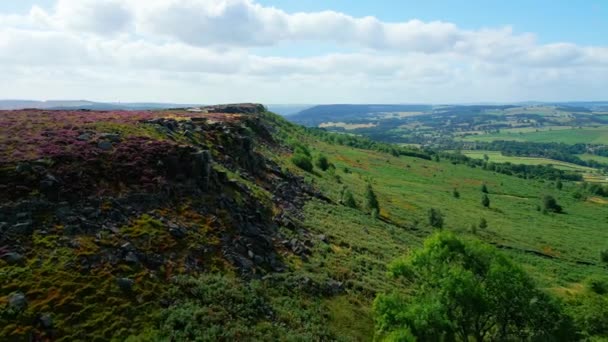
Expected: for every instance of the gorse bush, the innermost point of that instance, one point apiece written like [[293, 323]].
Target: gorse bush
[[466, 290]]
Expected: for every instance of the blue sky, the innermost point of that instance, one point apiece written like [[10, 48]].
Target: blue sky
[[266, 50], [584, 22]]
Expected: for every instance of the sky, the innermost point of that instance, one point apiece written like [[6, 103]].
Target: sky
[[314, 51]]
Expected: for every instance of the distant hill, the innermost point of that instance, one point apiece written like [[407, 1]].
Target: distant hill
[[346, 112], [84, 104]]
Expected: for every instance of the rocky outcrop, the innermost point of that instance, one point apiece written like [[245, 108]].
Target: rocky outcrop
[[106, 188]]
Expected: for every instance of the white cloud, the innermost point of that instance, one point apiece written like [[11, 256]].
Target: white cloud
[[194, 44]]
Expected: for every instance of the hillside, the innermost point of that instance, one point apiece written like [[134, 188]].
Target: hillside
[[174, 225]]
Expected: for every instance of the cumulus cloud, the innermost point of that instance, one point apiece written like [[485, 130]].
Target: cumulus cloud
[[197, 41]]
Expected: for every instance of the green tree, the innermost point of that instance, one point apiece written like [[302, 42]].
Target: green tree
[[435, 217], [485, 200], [322, 162], [483, 224], [302, 161], [371, 201], [559, 185], [466, 290], [456, 193]]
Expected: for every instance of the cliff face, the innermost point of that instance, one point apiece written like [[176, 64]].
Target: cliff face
[[99, 210]]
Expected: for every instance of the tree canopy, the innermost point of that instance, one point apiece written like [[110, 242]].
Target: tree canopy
[[466, 290]]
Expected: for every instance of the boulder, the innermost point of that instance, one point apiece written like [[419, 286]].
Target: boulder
[[105, 145]]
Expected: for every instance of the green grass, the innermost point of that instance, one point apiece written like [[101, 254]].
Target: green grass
[[407, 187], [590, 135], [587, 156]]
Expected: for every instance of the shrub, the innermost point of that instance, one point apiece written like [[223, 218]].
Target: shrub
[[455, 193], [559, 185], [598, 284], [371, 201], [435, 218], [302, 161], [485, 201], [483, 224], [550, 204], [484, 188], [348, 199], [322, 162], [604, 255]]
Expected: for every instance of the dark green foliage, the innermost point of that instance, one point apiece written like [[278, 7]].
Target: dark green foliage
[[322, 162], [484, 188], [302, 161], [465, 290], [604, 256], [435, 218], [559, 185], [541, 172], [485, 200], [299, 148], [455, 193], [347, 198], [218, 307], [550, 204], [371, 201], [590, 313], [483, 224], [598, 284]]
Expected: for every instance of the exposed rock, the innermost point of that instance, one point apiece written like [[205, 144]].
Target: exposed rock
[[131, 258], [201, 167], [13, 258], [85, 137], [17, 301], [125, 284], [46, 321], [105, 145], [113, 137], [23, 228], [177, 232]]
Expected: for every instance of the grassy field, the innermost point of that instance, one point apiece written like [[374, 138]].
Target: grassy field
[[559, 250], [589, 135], [587, 156], [498, 157]]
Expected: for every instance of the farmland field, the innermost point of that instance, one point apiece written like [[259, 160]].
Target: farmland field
[[498, 157], [589, 135]]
